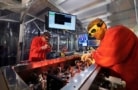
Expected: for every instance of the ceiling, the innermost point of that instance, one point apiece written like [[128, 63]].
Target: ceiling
[[111, 11]]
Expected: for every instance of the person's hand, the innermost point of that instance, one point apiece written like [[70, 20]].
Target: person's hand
[[46, 46], [86, 56], [90, 61]]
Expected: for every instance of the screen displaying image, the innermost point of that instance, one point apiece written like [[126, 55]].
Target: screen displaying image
[[93, 42], [82, 39], [61, 20]]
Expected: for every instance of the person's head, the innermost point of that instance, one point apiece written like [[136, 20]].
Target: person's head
[[97, 28], [46, 36]]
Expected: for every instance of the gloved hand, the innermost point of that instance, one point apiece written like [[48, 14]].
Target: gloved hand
[[87, 58], [90, 61], [46, 46]]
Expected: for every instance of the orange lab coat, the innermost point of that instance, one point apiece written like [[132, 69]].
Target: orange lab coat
[[119, 51], [36, 53]]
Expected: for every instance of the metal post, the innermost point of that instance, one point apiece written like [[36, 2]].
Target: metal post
[[135, 4], [20, 43], [58, 42]]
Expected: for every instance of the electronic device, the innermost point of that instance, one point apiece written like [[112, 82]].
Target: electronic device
[[57, 20], [82, 39]]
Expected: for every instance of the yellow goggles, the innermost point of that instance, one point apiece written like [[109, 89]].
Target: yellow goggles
[[93, 30]]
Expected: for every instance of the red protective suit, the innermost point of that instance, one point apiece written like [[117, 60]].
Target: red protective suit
[[36, 53], [119, 51]]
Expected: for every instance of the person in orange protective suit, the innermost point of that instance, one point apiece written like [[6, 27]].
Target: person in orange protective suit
[[40, 46], [118, 51]]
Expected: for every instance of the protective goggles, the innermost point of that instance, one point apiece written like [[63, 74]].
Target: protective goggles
[[94, 29]]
